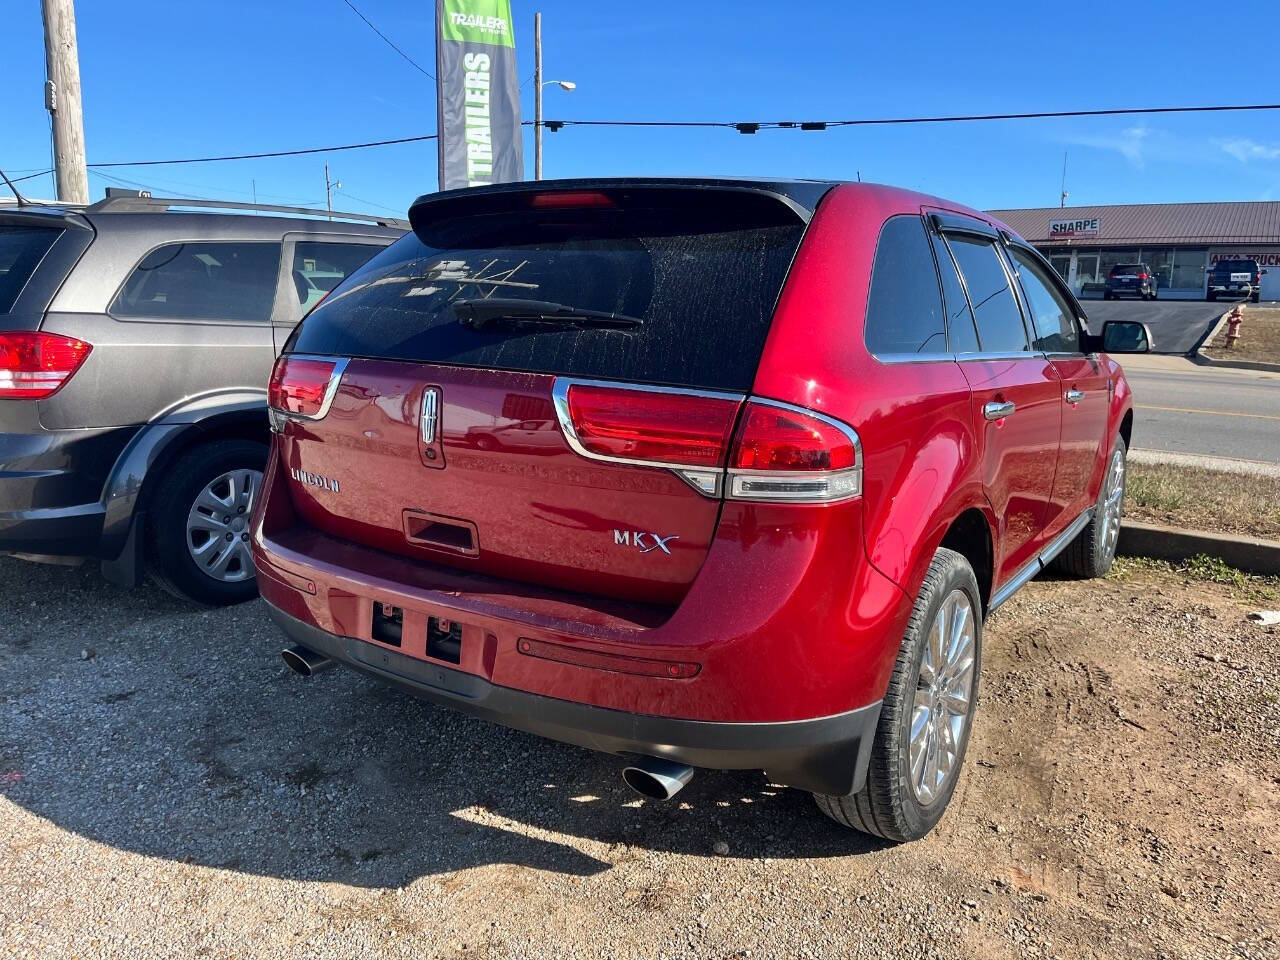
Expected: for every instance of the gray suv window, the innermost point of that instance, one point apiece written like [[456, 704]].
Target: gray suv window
[[1051, 314], [319, 266], [994, 306], [904, 307], [203, 280], [21, 249]]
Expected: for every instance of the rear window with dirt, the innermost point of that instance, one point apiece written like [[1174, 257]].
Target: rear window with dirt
[[645, 285]]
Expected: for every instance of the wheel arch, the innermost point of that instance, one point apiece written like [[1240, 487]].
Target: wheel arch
[[159, 444]]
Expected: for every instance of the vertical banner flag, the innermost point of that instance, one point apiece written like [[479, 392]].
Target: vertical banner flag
[[479, 94]]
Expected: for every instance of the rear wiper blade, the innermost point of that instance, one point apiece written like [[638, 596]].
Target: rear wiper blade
[[477, 314]]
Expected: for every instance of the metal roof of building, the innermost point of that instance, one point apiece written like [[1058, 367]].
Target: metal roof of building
[[1162, 223]]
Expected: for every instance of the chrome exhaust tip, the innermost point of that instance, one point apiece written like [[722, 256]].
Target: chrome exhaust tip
[[304, 661], [655, 778]]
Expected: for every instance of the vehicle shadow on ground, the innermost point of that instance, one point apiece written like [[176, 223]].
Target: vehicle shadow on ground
[[130, 719]]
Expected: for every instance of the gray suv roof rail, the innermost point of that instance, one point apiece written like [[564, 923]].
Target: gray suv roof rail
[[135, 203]]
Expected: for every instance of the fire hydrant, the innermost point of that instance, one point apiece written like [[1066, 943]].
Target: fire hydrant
[[1233, 327]]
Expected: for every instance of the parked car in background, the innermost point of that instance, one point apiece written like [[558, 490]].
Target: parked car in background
[[787, 483], [1240, 278], [136, 340], [1131, 279]]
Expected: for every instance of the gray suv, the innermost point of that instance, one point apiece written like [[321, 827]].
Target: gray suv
[[137, 336]]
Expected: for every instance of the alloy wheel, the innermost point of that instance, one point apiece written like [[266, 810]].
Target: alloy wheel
[[1112, 505], [944, 694], [218, 526]]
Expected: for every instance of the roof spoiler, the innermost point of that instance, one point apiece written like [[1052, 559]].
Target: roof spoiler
[[140, 201], [432, 207]]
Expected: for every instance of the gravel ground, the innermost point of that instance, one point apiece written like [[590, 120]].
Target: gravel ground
[[168, 789]]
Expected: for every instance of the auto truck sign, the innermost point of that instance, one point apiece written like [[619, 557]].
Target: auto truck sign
[[1069, 229]]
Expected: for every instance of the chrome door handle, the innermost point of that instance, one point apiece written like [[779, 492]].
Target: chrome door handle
[[1075, 396], [998, 411]]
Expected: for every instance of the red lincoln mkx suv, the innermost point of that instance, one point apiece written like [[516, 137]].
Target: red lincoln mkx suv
[[709, 473]]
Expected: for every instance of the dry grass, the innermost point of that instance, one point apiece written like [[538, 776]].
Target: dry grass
[[1259, 337], [1204, 499]]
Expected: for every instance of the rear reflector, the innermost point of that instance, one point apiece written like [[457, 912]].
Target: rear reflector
[[644, 425], [302, 387], [617, 663], [35, 365]]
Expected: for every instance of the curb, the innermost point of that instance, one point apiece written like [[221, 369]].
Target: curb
[[1250, 554], [1197, 355]]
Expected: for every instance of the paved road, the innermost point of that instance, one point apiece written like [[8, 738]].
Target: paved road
[[1200, 410], [1176, 325]]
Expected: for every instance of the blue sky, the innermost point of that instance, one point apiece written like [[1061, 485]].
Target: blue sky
[[164, 79]]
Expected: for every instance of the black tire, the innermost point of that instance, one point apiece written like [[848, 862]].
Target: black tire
[[1211, 296], [1106, 295], [1257, 296], [1091, 554], [170, 562], [887, 806]]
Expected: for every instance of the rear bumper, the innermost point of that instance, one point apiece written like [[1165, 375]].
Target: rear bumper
[[826, 755], [51, 485]]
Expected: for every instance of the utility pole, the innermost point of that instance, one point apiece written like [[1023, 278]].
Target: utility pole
[[537, 96], [329, 187], [62, 100]]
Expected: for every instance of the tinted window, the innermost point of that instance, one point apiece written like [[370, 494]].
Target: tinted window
[[701, 269], [319, 266], [21, 249], [1237, 266], [994, 306], [1127, 268], [1051, 313], [904, 311], [203, 281], [961, 333]]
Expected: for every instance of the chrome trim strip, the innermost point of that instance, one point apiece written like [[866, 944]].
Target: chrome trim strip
[[560, 399], [964, 357], [1038, 563], [331, 391]]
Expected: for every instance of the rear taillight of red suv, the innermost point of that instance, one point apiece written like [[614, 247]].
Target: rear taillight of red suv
[[302, 388], [779, 452], [35, 365]]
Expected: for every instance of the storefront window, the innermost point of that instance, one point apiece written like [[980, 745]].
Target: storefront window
[[1086, 269], [1159, 262], [1111, 258], [1188, 269], [1062, 264]]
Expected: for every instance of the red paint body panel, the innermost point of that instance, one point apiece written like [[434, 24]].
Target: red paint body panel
[[791, 611], [541, 513]]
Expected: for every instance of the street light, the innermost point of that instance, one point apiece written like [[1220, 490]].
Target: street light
[[538, 84]]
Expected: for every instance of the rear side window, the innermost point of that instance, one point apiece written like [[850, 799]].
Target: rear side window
[[994, 306], [1051, 314], [21, 250], [203, 280], [701, 270], [904, 309], [319, 266], [1237, 266], [961, 333]]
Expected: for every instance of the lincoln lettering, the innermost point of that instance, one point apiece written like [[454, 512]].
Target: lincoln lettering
[[479, 134], [315, 480]]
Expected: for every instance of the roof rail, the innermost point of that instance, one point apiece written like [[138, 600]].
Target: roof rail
[[140, 202]]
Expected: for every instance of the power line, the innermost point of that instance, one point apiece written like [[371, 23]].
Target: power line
[[273, 153], [886, 121], [32, 176], [742, 126], [387, 40]]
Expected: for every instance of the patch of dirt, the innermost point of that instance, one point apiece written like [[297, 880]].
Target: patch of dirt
[[1259, 337], [1121, 798]]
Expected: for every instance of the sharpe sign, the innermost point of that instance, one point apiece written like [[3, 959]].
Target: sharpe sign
[[1067, 229]]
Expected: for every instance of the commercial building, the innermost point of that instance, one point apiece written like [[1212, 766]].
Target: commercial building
[[1177, 241]]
